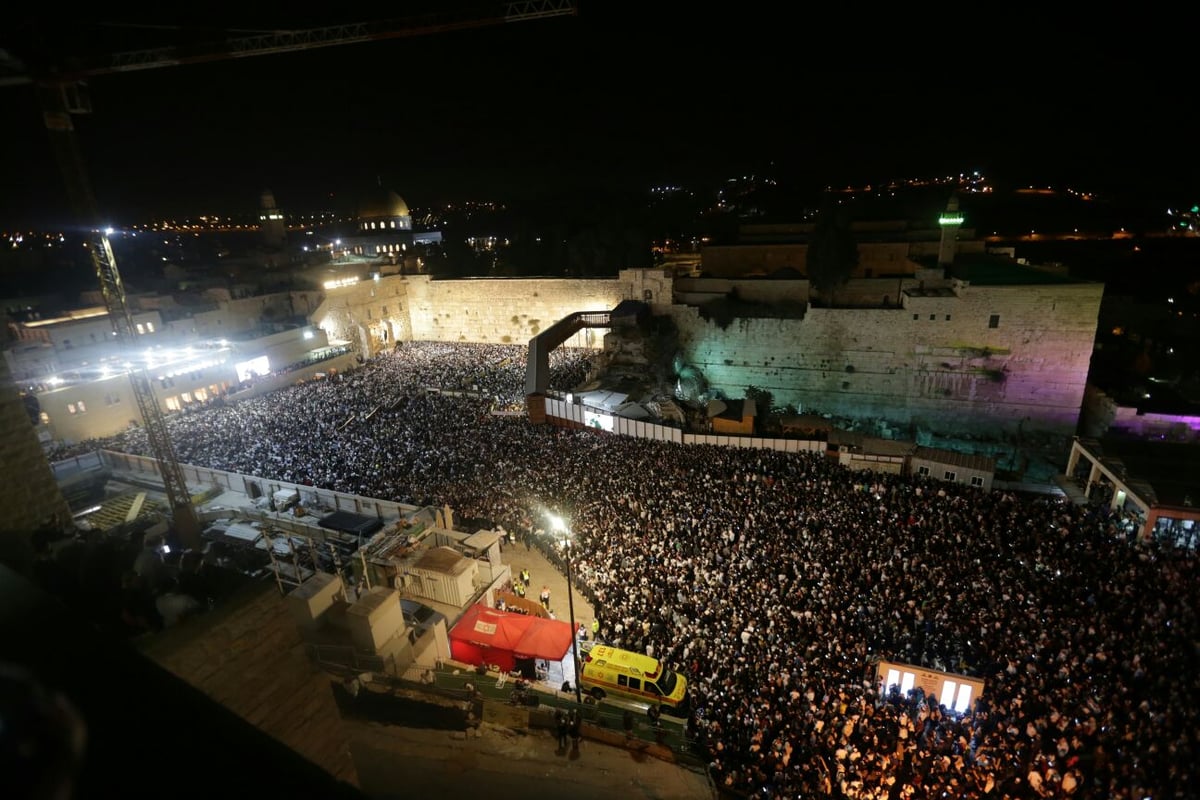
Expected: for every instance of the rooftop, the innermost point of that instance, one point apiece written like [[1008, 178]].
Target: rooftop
[[443, 559], [1168, 468], [982, 269]]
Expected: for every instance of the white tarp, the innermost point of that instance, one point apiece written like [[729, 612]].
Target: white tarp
[[603, 400], [632, 411]]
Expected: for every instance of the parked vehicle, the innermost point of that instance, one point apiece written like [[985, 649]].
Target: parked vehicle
[[622, 672]]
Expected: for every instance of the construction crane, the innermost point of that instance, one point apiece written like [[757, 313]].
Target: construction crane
[[64, 94]]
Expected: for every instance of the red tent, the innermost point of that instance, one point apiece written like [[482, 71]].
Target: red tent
[[487, 636]]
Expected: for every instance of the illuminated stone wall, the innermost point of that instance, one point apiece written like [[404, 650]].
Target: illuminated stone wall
[[503, 311], [30, 497], [952, 374], [499, 311], [934, 364]]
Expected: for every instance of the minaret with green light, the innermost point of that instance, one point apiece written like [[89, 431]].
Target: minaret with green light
[[950, 220]]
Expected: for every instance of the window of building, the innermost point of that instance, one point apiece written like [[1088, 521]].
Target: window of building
[[947, 318], [916, 317], [976, 480], [187, 396], [922, 470], [647, 295], [44, 417], [150, 327], [385, 311], [141, 328], [932, 317], [949, 475], [201, 395], [71, 409], [994, 321], [172, 403], [393, 224]]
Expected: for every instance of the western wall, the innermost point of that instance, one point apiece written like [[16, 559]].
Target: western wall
[[957, 358]]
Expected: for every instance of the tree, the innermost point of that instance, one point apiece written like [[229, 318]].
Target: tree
[[832, 251], [764, 403]]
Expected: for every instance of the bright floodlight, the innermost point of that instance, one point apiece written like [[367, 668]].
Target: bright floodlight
[[108, 231], [556, 522]]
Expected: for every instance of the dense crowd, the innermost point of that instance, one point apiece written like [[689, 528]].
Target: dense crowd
[[774, 582]]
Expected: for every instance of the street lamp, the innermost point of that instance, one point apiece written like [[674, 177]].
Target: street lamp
[[560, 527]]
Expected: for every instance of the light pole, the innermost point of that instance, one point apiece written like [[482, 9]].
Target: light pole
[[557, 523]]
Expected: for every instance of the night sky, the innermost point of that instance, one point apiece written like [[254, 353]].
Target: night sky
[[612, 98]]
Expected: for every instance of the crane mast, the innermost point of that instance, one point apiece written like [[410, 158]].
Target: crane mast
[[57, 110], [187, 525]]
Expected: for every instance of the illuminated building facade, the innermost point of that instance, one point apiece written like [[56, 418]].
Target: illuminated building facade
[[384, 230], [271, 222]]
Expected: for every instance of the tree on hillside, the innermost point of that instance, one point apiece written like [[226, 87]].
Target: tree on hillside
[[832, 251]]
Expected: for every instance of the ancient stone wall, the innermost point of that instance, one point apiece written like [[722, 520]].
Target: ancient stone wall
[[937, 363], [959, 359], [503, 311]]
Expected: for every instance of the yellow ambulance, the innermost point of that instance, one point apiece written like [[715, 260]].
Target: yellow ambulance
[[607, 670]]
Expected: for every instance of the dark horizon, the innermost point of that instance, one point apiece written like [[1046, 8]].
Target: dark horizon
[[613, 100]]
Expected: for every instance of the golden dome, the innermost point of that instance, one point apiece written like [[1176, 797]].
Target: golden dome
[[382, 203]]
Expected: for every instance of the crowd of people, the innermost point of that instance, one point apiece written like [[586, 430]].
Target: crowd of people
[[774, 582]]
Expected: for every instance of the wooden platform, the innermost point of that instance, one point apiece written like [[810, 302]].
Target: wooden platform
[[248, 655]]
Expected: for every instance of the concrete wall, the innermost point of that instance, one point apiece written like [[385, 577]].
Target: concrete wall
[[934, 364]]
